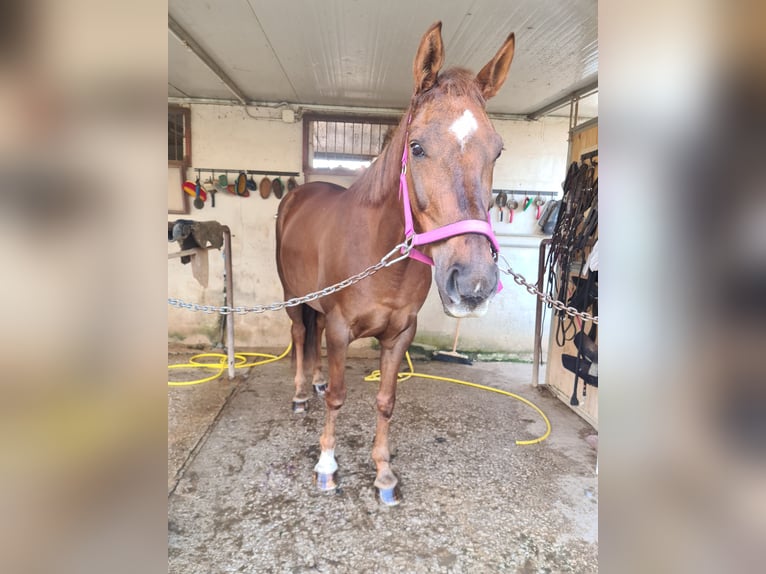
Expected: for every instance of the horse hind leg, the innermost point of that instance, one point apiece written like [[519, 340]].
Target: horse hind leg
[[298, 333], [319, 382]]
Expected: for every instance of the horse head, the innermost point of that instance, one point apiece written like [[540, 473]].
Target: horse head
[[452, 149]]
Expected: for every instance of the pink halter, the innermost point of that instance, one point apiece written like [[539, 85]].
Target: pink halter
[[443, 232]]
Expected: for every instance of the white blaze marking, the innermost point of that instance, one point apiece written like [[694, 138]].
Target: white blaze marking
[[464, 127]]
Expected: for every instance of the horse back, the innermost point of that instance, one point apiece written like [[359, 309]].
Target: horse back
[[305, 218]]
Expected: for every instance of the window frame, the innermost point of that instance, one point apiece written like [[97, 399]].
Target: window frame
[[185, 163], [307, 118]]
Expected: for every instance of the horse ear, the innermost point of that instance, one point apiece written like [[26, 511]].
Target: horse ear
[[493, 75], [429, 59]]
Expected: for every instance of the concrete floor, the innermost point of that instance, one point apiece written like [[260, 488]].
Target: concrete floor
[[241, 497]]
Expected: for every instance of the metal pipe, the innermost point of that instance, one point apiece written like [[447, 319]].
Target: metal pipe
[[571, 115], [585, 125], [187, 40], [538, 348], [528, 192], [322, 108], [229, 299], [576, 111], [247, 171], [561, 102]]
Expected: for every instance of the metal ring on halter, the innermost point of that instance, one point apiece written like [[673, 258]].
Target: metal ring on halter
[[403, 248]]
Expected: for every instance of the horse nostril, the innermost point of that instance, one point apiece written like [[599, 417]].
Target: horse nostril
[[452, 287], [471, 289]]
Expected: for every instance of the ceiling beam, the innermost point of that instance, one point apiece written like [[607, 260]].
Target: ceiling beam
[[178, 89], [561, 102], [187, 40], [298, 107]]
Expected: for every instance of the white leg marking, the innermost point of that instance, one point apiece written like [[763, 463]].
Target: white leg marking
[[326, 464], [464, 127]]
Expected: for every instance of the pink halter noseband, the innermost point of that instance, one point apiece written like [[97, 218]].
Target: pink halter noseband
[[443, 232]]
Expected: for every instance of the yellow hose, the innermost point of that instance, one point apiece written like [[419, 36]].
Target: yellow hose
[[375, 376], [241, 363], [222, 364]]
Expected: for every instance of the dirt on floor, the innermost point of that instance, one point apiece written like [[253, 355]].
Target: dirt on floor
[[241, 496]]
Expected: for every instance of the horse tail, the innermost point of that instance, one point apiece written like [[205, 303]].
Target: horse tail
[[310, 342]]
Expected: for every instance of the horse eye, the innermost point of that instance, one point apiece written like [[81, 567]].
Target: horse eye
[[417, 149]]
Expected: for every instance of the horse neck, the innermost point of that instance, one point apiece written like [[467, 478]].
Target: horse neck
[[377, 189], [380, 181]]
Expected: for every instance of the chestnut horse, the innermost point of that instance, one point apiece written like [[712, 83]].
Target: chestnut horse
[[446, 148]]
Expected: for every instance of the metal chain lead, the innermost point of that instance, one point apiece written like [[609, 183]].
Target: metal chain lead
[[403, 248], [533, 290]]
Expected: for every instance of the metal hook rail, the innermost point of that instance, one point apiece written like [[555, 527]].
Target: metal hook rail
[[247, 171], [527, 192]]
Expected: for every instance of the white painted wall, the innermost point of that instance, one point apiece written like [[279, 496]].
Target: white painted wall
[[225, 137]]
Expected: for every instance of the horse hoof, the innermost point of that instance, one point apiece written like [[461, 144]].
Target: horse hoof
[[389, 496], [300, 407], [320, 389], [326, 482]]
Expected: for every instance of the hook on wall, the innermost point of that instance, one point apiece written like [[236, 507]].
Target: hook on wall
[[590, 156]]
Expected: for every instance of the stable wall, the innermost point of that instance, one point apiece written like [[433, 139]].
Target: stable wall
[[226, 137]]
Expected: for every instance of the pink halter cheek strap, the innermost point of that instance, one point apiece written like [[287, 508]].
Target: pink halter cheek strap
[[444, 232]]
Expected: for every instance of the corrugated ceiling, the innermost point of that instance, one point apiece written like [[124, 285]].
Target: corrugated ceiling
[[360, 52]]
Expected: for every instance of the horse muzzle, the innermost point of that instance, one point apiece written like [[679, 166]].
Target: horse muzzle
[[466, 288]]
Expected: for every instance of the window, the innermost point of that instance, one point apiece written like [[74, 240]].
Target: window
[[342, 145], [179, 157], [179, 136]]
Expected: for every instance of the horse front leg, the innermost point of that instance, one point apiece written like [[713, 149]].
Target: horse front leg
[[391, 355], [325, 471]]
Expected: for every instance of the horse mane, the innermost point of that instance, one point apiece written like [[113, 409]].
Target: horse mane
[[376, 183], [373, 186]]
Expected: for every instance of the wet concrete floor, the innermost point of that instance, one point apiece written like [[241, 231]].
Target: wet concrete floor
[[241, 498]]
